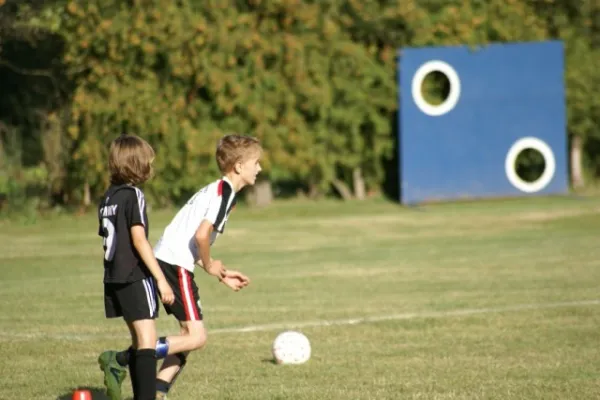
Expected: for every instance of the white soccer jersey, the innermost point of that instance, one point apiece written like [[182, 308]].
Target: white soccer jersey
[[213, 202]]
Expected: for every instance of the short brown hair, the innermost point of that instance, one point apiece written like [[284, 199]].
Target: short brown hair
[[130, 160], [233, 148]]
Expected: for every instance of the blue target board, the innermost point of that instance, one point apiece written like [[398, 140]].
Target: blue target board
[[503, 99]]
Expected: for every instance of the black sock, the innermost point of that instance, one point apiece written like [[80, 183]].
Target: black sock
[[132, 370], [124, 356], [162, 386], [145, 374]]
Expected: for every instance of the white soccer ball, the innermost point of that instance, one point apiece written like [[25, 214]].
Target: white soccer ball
[[291, 347]]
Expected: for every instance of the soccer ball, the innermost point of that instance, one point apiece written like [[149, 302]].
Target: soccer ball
[[291, 347]]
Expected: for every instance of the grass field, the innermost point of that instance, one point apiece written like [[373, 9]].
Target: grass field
[[489, 300]]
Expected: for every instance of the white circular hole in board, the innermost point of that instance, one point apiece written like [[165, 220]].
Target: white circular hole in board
[[549, 161], [417, 82]]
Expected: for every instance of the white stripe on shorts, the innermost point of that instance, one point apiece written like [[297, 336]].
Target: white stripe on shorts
[[149, 296], [154, 293]]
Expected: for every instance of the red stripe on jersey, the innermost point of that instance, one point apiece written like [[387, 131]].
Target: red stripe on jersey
[[220, 188]]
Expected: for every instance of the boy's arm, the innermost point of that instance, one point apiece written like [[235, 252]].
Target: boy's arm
[[233, 279], [138, 237], [134, 215], [202, 238]]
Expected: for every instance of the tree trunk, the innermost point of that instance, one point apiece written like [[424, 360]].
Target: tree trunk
[[313, 191], [53, 146], [577, 178], [360, 191], [87, 197], [261, 194], [342, 189]]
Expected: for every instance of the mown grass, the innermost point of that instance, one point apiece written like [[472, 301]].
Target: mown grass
[[332, 261]]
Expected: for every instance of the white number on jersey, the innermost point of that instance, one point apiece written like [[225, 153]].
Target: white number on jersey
[[109, 239]]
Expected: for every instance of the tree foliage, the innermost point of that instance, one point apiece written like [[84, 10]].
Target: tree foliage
[[184, 73], [315, 81]]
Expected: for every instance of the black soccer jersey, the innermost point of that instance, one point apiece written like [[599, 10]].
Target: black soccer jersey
[[122, 207]]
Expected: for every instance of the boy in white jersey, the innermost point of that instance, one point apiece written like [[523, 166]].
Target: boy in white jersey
[[185, 245]]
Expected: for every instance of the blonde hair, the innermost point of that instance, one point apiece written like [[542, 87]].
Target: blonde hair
[[130, 160], [234, 148]]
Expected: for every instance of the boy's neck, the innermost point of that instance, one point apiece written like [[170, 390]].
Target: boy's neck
[[235, 180]]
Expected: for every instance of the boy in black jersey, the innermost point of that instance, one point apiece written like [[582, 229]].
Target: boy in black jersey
[[131, 272]]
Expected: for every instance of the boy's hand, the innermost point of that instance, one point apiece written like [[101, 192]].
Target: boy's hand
[[235, 280], [166, 293], [237, 275], [217, 267]]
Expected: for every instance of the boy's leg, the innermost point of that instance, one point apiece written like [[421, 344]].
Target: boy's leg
[[132, 360], [185, 308], [142, 365], [172, 366], [193, 337], [188, 312], [138, 306], [114, 373]]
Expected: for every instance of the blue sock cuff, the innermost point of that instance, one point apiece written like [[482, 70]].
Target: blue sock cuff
[[162, 347]]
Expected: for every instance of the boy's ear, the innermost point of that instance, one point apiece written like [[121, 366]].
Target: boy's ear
[[237, 167]]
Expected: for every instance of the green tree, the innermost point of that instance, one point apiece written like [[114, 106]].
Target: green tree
[[182, 74], [315, 81], [34, 89], [578, 25]]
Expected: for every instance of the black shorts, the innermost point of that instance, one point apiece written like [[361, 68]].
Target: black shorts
[[133, 301], [187, 301]]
